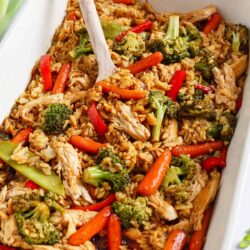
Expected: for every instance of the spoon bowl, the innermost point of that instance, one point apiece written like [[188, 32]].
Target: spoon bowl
[[106, 66]]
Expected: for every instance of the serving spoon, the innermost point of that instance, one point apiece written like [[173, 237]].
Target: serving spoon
[[105, 65]]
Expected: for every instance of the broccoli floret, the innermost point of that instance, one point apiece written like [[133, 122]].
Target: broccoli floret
[[22, 203], [174, 46], [159, 45], [179, 167], [112, 30], [228, 122], [50, 199], [84, 47], [162, 105], [193, 37], [178, 187], [34, 225], [214, 130], [238, 35], [206, 69], [176, 50], [223, 127], [55, 117], [197, 108], [95, 176], [132, 212], [132, 45], [105, 153]]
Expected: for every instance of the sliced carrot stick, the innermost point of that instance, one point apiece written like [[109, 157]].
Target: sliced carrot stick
[[114, 233], [98, 206], [176, 240], [22, 136], [127, 2], [155, 175], [85, 144], [212, 24], [146, 63], [197, 239], [197, 149], [126, 94], [61, 80], [91, 228]]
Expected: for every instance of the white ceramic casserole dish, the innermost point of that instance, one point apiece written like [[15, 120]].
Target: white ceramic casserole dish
[[30, 36]]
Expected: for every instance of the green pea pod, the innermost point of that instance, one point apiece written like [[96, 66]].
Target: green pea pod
[[8, 10], [51, 182]]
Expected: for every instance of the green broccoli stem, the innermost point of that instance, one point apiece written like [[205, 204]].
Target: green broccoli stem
[[157, 129], [173, 27], [236, 42], [75, 53]]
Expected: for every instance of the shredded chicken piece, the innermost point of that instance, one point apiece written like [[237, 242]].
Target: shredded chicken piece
[[183, 225], [125, 120], [170, 135], [88, 245], [226, 91], [42, 101], [240, 66], [133, 233], [9, 234], [38, 140], [163, 208], [200, 15], [204, 199], [75, 219], [76, 96], [71, 172]]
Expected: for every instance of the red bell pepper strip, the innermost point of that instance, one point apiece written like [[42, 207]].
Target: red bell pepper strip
[[212, 24], [239, 102], [100, 127], [176, 240], [31, 185], [22, 136], [61, 80], [2, 247], [91, 228], [71, 16], [98, 206], [114, 232], [125, 94], [45, 70], [197, 239], [203, 88], [197, 149], [176, 83], [85, 144], [223, 154], [146, 63], [212, 162], [147, 25]]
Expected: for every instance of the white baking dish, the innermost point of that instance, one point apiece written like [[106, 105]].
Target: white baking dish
[[29, 37]]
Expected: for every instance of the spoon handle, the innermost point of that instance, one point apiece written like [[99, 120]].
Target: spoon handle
[[97, 38]]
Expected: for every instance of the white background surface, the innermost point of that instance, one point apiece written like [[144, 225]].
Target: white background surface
[[29, 37]]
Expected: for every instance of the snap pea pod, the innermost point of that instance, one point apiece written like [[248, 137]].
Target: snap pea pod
[[51, 182], [8, 10]]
